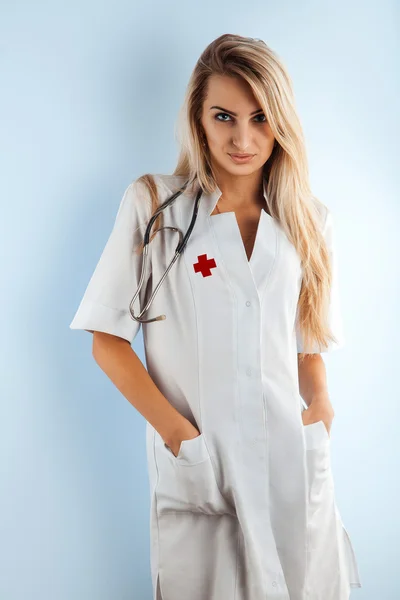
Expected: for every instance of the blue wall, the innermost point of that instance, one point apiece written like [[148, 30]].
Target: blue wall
[[89, 97]]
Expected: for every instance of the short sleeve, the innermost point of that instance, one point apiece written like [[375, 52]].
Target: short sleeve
[[335, 320], [105, 303]]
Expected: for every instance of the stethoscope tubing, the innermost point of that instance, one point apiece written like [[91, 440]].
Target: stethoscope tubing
[[183, 239]]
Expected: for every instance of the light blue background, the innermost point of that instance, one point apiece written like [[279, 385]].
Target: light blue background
[[90, 93]]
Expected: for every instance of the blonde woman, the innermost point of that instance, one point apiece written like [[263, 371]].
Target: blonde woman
[[235, 394]]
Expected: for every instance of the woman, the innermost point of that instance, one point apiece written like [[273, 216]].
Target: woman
[[242, 498]]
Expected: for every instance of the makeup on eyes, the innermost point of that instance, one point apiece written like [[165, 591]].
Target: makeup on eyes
[[225, 121]]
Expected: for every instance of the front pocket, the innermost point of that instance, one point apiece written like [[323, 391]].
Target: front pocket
[[316, 435], [319, 474], [192, 451], [187, 482]]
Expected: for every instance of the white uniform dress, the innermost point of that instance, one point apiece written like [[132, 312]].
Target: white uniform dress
[[247, 509]]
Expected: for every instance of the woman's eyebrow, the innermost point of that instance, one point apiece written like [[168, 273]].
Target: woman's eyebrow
[[230, 112]]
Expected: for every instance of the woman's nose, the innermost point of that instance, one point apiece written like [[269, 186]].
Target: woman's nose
[[242, 138]]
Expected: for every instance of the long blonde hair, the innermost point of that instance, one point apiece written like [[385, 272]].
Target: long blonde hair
[[290, 200]]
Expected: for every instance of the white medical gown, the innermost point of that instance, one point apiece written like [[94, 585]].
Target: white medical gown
[[247, 510]]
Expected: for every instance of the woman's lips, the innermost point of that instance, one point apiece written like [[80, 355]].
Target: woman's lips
[[241, 158]]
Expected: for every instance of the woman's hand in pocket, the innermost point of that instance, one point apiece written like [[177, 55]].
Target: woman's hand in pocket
[[186, 432], [319, 409]]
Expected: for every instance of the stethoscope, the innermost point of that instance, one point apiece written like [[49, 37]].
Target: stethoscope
[[183, 240]]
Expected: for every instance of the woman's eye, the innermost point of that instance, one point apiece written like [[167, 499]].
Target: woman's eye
[[221, 115], [226, 115]]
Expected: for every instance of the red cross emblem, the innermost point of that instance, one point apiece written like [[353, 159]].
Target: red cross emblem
[[204, 265]]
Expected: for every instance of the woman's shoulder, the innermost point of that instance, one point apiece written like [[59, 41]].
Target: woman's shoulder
[[163, 184], [169, 181]]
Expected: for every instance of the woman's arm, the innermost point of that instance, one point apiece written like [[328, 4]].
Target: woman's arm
[[121, 364], [314, 390]]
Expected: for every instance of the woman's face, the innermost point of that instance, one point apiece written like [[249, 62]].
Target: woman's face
[[239, 133]]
